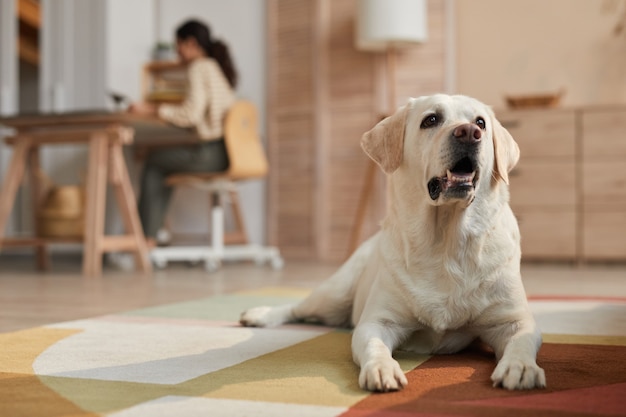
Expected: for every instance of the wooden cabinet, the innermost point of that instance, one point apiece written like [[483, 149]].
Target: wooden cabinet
[[542, 134], [604, 184], [569, 188], [543, 184], [547, 234], [604, 234]]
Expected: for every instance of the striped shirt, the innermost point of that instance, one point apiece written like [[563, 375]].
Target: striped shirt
[[207, 100]]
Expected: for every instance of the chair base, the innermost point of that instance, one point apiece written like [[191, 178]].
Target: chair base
[[213, 258], [218, 251]]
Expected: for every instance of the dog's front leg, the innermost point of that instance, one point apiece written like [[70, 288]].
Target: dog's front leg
[[516, 345], [372, 347]]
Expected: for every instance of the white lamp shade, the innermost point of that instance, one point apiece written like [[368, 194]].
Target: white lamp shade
[[383, 24]]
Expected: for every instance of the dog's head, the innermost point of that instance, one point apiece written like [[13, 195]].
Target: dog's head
[[451, 146]]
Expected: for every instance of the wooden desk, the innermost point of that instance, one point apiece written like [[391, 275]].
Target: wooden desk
[[106, 134]]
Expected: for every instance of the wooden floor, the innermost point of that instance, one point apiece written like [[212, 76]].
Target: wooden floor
[[29, 299]]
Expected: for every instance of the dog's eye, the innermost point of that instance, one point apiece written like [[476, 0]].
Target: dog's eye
[[430, 121], [480, 122]]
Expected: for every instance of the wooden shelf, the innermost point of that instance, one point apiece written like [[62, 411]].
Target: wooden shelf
[[155, 66], [109, 243], [28, 51], [20, 242], [164, 82], [29, 12], [29, 18]]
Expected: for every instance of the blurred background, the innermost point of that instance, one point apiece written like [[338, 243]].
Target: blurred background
[[555, 71]]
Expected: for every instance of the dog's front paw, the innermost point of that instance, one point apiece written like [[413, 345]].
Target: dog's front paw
[[382, 375], [256, 317], [265, 316], [518, 374]]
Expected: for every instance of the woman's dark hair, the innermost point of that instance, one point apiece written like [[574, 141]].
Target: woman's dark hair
[[215, 49]]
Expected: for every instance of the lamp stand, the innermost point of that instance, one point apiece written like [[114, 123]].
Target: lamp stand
[[390, 72]]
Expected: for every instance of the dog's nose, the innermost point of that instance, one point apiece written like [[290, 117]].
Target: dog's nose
[[468, 133]]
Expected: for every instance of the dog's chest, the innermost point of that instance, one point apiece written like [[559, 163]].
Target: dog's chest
[[450, 314], [451, 302]]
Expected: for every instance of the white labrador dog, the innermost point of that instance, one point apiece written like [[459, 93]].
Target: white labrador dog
[[444, 269]]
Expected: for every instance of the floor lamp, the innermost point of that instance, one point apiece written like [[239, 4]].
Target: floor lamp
[[384, 27]]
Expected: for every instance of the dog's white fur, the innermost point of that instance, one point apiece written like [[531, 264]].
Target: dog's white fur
[[440, 273]]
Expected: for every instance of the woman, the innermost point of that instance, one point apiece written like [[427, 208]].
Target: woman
[[211, 82]]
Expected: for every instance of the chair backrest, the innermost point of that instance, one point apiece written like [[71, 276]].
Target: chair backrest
[[241, 135]]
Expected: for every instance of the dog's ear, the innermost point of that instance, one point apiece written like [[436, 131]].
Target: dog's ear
[[385, 142], [506, 151]]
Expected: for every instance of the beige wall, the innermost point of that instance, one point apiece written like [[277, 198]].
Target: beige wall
[[527, 46]]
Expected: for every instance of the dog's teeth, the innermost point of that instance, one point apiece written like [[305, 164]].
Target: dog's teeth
[[460, 178]]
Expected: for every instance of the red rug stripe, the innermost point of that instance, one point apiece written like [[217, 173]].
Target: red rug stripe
[[459, 385], [576, 298], [600, 400]]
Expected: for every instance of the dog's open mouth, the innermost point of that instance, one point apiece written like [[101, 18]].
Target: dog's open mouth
[[459, 180]]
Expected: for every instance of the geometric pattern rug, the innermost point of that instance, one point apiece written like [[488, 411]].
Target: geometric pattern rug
[[193, 359]]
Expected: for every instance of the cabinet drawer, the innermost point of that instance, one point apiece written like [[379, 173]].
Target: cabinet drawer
[[604, 235], [604, 134], [543, 183], [604, 183], [547, 234], [543, 133]]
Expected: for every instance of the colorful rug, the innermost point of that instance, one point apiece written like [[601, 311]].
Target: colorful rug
[[193, 359]]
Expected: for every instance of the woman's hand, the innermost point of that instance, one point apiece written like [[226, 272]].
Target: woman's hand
[[143, 108]]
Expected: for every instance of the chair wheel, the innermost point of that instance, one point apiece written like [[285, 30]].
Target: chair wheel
[[159, 263], [277, 263], [212, 265]]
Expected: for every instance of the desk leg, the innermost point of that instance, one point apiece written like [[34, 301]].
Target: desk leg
[[37, 200], [128, 207], [95, 204], [12, 181]]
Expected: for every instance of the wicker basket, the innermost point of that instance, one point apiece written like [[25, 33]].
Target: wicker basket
[[62, 228], [62, 214]]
